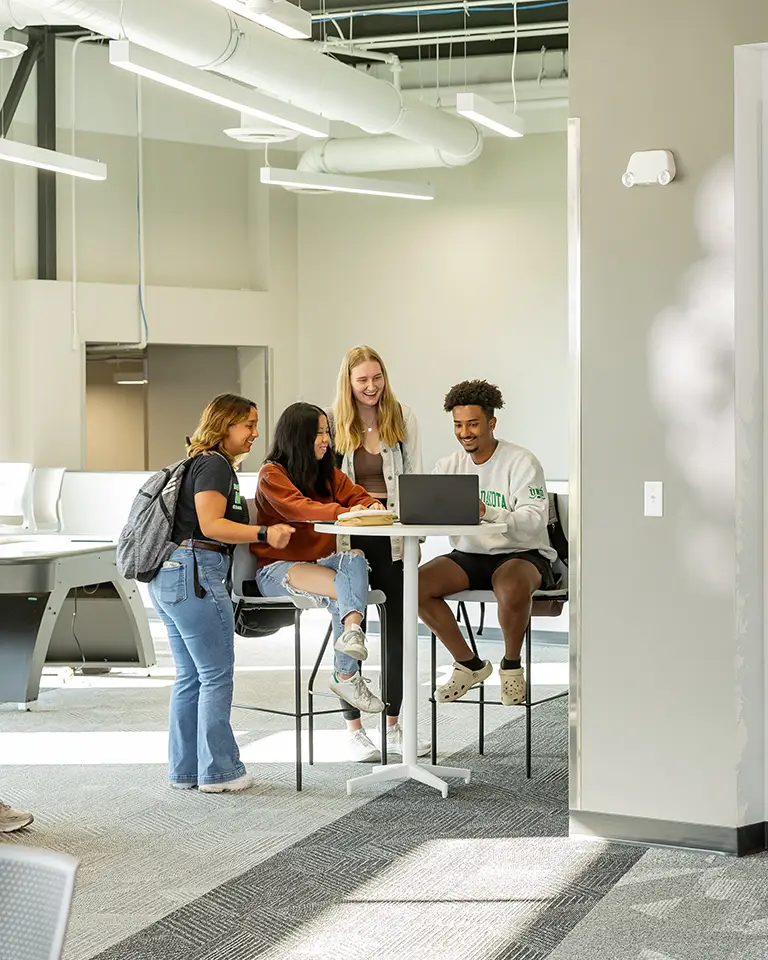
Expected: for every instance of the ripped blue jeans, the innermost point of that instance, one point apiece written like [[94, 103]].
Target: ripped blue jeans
[[351, 582]]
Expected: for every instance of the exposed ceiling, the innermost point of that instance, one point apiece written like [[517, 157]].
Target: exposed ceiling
[[430, 30]]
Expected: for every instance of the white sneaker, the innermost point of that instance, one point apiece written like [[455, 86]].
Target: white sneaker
[[512, 686], [228, 786], [356, 692], [352, 642], [461, 681], [359, 747], [11, 819], [395, 742]]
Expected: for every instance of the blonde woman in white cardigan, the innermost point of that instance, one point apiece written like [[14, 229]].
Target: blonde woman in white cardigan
[[376, 439]]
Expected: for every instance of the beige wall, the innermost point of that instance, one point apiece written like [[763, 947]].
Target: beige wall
[[663, 729], [470, 285], [182, 380], [7, 407], [114, 417], [196, 215], [215, 282]]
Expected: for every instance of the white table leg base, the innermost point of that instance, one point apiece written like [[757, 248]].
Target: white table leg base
[[461, 773], [424, 773]]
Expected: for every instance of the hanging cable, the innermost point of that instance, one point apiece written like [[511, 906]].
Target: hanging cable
[[421, 65], [514, 62], [144, 337], [74, 310], [542, 66], [466, 19]]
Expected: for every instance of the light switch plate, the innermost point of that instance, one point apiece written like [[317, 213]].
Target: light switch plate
[[654, 498]]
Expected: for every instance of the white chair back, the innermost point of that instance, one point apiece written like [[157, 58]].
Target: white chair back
[[15, 496], [37, 888], [46, 499]]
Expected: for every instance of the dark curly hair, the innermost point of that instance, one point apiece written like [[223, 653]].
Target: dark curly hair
[[474, 393]]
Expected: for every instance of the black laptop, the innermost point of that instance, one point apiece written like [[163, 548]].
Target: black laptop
[[427, 498]]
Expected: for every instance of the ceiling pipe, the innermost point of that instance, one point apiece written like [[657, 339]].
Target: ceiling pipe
[[203, 34], [369, 154], [445, 6], [363, 154], [20, 15]]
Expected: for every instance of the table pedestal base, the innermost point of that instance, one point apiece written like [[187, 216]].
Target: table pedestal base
[[425, 773]]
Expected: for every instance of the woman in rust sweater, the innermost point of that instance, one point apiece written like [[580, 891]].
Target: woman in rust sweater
[[299, 483]]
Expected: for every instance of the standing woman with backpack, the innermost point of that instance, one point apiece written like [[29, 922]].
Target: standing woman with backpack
[[190, 594], [376, 439]]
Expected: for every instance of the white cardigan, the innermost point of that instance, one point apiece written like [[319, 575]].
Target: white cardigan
[[404, 457]]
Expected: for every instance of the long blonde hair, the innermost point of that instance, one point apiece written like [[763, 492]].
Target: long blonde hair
[[220, 414], [348, 428]]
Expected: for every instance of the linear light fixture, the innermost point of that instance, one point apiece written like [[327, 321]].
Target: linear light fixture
[[490, 115], [128, 382], [215, 89], [281, 16], [29, 156], [334, 183]]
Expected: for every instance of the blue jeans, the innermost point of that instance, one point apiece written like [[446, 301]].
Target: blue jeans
[[351, 582], [201, 632]]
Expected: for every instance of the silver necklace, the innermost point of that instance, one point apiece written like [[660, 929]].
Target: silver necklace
[[368, 429]]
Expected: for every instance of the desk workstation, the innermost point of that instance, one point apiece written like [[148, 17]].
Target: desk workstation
[[63, 603]]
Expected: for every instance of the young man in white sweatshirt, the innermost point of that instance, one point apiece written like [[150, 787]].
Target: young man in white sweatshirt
[[513, 564]]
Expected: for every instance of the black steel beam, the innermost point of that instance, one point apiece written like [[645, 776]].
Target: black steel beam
[[19, 83], [46, 179]]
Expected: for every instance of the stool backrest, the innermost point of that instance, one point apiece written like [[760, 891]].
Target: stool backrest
[[15, 495], [46, 498], [36, 889]]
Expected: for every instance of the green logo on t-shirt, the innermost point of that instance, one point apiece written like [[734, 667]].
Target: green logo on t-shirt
[[237, 505], [492, 498]]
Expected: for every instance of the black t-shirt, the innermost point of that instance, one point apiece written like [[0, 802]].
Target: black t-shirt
[[209, 471]]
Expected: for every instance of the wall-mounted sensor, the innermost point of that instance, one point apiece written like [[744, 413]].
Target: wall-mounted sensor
[[650, 168]]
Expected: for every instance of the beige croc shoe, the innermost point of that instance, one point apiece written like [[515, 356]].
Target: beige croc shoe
[[512, 686], [461, 681]]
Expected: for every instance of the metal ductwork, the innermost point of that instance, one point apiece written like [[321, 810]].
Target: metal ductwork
[[366, 155], [17, 16], [205, 35], [20, 15]]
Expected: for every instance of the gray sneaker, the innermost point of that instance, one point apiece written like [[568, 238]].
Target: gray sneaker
[[356, 692], [352, 642], [11, 819]]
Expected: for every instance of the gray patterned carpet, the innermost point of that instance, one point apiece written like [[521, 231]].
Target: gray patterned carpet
[[679, 906], [486, 874]]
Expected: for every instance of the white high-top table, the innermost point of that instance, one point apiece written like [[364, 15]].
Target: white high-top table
[[63, 603], [410, 768]]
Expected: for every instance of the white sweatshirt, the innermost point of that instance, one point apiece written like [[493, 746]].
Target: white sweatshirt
[[513, 490]]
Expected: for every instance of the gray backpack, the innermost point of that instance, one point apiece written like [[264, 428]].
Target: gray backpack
[[145, 541]]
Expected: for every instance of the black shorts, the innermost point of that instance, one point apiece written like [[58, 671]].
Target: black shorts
[[480, 567]]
